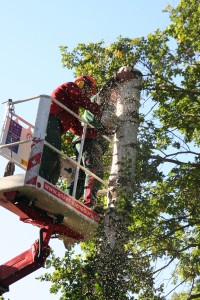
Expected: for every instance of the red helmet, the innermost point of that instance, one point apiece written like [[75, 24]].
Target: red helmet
[[86, 81]]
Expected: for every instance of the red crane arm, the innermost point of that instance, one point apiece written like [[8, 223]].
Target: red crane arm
[[26, 262]]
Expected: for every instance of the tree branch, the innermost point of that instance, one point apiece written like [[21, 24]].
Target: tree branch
[[176, 287], [174, 161], [175, 90], [159, 270]]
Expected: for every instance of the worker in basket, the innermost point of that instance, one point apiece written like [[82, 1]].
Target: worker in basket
[[95, 145], [73, 95], [92, 159]]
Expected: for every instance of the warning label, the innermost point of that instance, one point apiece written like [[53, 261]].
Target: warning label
[[13, 135]]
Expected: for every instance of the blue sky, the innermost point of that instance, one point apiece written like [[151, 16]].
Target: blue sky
[[30, 64]]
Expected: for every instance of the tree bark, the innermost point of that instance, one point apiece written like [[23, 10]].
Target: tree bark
[[127, 101], [112, 257], [120, 98]]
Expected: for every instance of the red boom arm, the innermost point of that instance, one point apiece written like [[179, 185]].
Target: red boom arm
[[27, 262]]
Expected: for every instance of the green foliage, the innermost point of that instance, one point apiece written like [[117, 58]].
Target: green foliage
[[100, 60], [2, 298], [67, 143], [161, 220], [193, 293], [91, 275], [74, 275]]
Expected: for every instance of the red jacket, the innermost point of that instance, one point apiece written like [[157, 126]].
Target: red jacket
[[70, 95]]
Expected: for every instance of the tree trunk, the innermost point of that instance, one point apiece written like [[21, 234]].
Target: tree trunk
[[122, 177], [127, 102], [112, 257]]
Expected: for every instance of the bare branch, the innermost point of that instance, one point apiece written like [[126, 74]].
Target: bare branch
[[183, 281], [159, 270], [174, 161]]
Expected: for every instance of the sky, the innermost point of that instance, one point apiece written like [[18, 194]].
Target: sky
[[30, 65]]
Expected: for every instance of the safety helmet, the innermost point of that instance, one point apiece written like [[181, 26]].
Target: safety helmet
[[86, 81]]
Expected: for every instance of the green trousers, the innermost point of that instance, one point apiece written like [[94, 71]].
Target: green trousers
[[92, 159]]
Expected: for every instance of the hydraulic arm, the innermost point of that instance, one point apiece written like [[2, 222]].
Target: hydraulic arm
[[26, 262]]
